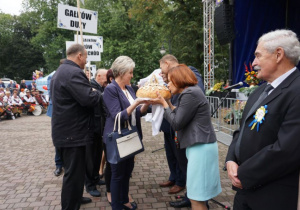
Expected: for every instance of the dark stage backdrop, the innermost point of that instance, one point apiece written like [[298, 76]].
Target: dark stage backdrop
[[253, 18]]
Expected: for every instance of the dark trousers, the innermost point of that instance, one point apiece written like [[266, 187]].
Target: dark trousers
[[182, 164], [107, 173], [57, 159], [176, 173], [73, 180], [120, 183], [93, 160], [269, 197]]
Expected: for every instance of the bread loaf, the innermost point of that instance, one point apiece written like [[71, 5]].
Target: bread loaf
[[150, 91]]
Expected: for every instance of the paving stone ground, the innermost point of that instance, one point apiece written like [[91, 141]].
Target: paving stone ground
[[27, 164]]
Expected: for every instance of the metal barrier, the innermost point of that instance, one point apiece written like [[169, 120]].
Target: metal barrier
[[227, 117]]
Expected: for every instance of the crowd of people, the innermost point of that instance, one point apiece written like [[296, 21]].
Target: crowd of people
[[14, 101], [97, 102], [262, 160]]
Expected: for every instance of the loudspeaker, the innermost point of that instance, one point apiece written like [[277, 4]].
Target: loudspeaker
[[224, 23]]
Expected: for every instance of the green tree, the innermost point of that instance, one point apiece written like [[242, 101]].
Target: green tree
[[18, 57]]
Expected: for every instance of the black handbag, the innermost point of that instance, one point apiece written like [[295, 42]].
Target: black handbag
[[124, 143]]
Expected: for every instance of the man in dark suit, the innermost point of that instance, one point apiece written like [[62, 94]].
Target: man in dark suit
[[176, 157], [263, 160], [94, 151], [72, 121]]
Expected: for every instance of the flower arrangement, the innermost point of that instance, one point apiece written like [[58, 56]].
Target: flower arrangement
[[251, 76], [218, 87], [235, 113]]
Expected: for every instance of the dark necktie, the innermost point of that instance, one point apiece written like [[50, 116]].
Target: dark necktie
[[262, 96]]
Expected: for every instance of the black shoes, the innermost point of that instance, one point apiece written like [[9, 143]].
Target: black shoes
[[127, 208], [58, 171], [101, 182], [94, 193], [85, 200], [180, 204]]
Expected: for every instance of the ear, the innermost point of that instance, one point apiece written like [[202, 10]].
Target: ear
[[279, 54]]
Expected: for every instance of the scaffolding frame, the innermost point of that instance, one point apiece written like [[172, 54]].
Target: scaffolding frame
[[208, 43]]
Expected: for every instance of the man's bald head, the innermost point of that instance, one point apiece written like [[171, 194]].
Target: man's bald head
[[78, 54], [100, 77]]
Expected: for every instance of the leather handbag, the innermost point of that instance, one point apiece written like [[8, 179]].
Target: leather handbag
[[123, 143]]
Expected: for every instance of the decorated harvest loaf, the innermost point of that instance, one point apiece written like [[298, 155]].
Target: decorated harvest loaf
[[149, 90]]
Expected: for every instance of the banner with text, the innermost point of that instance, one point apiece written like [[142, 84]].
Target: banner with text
[[68, 18], [93, 69], [98, 40], [93, 51]]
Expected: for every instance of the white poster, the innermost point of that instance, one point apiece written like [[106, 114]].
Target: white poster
[[92, 69], [98, 40], [93, 51], [68, 18]]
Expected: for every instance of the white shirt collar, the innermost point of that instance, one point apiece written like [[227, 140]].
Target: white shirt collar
[[280, 79]]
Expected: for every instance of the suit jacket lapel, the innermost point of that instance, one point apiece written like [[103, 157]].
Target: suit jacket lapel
[[275, 93], [123, 99]]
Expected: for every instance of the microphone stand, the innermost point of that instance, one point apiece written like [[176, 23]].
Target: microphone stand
[[221, 102], [215, 110]]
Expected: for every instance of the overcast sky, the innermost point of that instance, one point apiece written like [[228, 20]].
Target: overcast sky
[[12, 7]]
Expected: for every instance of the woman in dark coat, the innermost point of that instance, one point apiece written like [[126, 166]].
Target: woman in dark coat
[[120, 97], [192, 123]]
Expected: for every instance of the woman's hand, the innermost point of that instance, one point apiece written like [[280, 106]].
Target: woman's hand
[[139, 101], [159, 100]]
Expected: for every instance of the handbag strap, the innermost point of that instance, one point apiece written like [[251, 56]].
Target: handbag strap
[[118, 118]]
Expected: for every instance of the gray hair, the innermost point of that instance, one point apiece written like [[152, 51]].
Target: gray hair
[[285, 39], [121, 65], [169, 57], [75, 49], [98, 71]]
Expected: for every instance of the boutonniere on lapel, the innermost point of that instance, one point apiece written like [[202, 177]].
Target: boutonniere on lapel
[[259, 117]]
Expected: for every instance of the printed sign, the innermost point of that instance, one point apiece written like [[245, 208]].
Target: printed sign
[[68, 18], [93, 51], [98, 40], [92, 69]]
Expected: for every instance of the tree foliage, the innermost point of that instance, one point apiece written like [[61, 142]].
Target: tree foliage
[[136, 28]]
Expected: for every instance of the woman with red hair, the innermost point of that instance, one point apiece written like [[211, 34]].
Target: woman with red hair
[[192, 123]]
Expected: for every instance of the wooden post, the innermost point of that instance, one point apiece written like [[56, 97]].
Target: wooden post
[[79, 14]]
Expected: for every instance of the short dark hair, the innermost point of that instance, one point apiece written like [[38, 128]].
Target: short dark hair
[[75, 49], [182, 76]]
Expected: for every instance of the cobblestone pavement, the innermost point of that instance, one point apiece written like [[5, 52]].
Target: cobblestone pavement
[[27, 164]]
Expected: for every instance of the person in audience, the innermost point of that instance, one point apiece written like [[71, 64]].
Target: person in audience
[[33, 86], [39, 98], [94, 151], [11, 86], [194, 131], [5, 110], [29, 102], [7, 99], [57, 159], [23, 85], [120, 97], [2, 90], [17, 103], [2, 85]]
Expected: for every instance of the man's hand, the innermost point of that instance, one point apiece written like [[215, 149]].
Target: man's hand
[[232, 168]]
